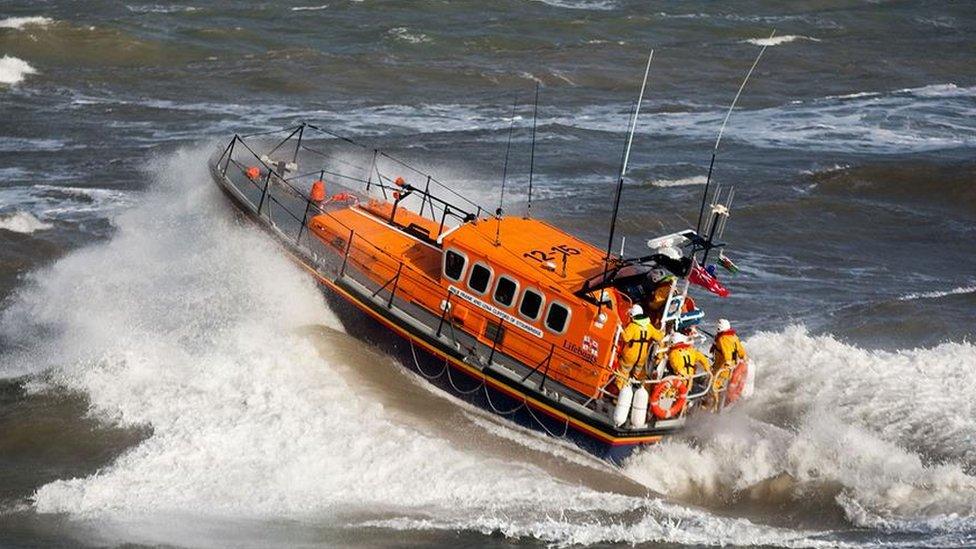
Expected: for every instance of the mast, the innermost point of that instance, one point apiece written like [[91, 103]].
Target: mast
[[711, 164], [623, 165], [501, 197], [535, 117]]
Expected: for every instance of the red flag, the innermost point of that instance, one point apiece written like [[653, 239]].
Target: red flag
[[701, 277]]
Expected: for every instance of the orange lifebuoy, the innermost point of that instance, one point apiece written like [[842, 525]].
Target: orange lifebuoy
[[253, 172], [737, 382], [673, 389]]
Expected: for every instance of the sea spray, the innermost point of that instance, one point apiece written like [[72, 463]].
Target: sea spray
[[192, 326]]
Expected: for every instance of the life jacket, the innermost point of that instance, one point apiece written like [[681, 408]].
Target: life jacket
[[734, 356], [638, 338]]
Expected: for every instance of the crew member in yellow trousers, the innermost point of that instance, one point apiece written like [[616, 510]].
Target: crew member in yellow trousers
[[638, 338]]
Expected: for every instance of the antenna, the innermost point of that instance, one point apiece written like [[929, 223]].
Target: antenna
[[708, 179], [501, 197], [626, 159], [535, 117]]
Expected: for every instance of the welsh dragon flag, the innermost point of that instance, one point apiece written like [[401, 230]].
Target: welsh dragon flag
[[706, 280]]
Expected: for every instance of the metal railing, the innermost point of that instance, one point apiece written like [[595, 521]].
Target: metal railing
[[408, 289]]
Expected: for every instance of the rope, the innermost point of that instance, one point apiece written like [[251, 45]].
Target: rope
[[472, 391], [546, 429], [496, 410], [421, 370]]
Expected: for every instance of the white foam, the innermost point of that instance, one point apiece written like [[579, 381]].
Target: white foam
[[938, 293], [406, 35], [21, 22], [891, 432], [777, 40], [679, 182], [598, 5], [13, 70], [310, 8], [162, 8], [186, 322], [22, 222]]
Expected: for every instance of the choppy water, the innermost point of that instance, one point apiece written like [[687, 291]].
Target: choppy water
[[167, 378]]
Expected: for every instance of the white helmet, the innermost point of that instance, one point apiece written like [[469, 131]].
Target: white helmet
[[723, 325], [657, 275], [636, 310]]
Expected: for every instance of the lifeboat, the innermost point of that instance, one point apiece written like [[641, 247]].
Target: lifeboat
[[507, 312]]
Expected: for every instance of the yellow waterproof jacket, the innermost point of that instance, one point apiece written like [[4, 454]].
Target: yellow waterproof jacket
[[639, 335], [683, 357], [656, 301], [727, 349]]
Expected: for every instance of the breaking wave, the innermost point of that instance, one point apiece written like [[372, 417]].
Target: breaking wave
[[883, 436], [191, 325], [921, 119], [939, 293], [13, 70], [22, 222], [19, 23], [777, 40]]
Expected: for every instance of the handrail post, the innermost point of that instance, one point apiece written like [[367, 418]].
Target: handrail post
[[369, 175], [494, 342], [447, 307], [440, 230], [545, 373], [301, 131], [267, 183], [396, 281], [345, 256], [423, 200], [230, 153]]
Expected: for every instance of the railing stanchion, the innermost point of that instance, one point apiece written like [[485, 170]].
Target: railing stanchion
[[345, 256], [267, 183], [396, 281], [545, 373], [230, 154], [494, 341], [445, 309], [440, 230], [301, 131]]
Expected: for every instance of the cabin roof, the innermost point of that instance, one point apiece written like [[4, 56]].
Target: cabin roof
[[525, 248]]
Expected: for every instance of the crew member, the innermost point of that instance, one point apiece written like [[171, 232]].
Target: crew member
[[683, 356], [638, 337], [656, 297], [727, 349]]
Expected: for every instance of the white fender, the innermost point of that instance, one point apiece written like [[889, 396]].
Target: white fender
[[622, 410], [638, 408], [750, 385]]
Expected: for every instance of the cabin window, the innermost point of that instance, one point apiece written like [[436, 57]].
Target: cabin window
[[480, 278], [531, 304], [505, 291], [454, 265], [557, 318]]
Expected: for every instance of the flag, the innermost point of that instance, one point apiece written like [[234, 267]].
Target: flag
[[727, 263], [706, 280]]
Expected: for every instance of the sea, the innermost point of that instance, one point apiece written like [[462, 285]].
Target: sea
[[169, 378]]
